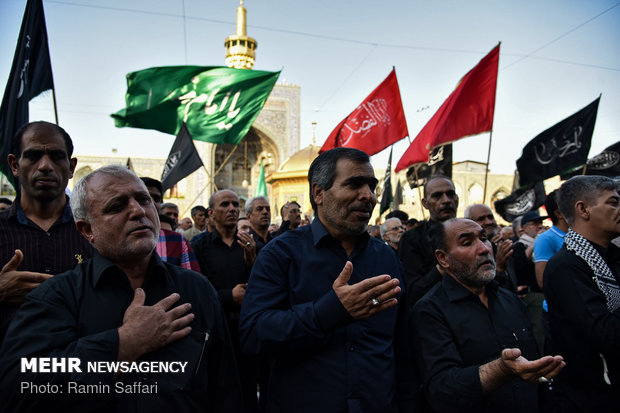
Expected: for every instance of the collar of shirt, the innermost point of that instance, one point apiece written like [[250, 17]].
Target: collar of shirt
[[15, 210], [319, 232], [102, 265], [558, 231], [456, 291]]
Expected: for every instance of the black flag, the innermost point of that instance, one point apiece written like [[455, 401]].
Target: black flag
[[386, 195], [30, 75], [521, 201], [440, 163], [182, 160], [560, 148], [606, 163]]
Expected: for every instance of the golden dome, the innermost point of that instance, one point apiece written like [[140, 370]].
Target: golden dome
[[300, 160]]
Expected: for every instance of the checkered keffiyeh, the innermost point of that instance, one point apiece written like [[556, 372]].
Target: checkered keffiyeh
[[603, 277]]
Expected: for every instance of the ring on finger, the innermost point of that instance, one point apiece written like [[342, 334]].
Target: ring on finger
[[247, 244], [375, 302], [543, 379]]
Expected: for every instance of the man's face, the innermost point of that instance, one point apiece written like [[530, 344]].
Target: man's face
[[483, 215], [185, 223], [440, 199], [605, 215], [395, 230], [243, 225], [346, 207], [225, 210], [469, 255], [260, 216], [122, 220], [531, 228], [294, 215], [199, 219], [156, 195], [43, 167], [173, 213]]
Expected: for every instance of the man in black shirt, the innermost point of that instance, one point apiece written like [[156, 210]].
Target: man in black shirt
[[124, 305], [421, 271], [226, 257], [258, 212], [465, 321], [581, 286], [38, 238]]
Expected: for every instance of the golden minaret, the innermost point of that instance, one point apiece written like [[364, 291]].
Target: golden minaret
[[240, 48]]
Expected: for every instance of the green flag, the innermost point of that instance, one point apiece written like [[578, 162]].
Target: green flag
[[218, 104], [261, 188]]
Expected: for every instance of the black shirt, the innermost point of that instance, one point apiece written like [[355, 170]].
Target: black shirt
[[524, 267], [77, 314], [583, 330], [419, 263], [57, 250], [224, 266], [454, 334]]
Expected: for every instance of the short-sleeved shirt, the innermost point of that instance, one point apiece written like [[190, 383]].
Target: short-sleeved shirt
[[548, 243]]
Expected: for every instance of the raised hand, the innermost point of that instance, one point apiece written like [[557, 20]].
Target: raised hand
[[367, 297], [15, 285]]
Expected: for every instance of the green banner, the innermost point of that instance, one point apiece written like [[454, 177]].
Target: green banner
[[218, 104]]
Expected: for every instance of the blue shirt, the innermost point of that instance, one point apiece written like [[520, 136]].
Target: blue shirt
[[548, 243], [320, 358]]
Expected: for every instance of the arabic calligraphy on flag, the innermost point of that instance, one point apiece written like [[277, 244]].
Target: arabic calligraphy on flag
[[375, 124], [217, 104], [560, 148]]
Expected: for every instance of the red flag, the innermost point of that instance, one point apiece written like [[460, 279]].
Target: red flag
[[467, 111], [375, 124]]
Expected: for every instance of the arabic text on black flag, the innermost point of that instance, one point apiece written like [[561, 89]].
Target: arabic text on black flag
[[182, 160], [521, 201], [560, 148], [606, 163], [440, 163], [31, 74]]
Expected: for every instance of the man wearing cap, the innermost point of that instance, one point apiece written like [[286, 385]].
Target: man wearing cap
[[523, 261]]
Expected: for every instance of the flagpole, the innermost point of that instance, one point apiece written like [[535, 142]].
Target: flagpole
[[486, 170], [55, 106]]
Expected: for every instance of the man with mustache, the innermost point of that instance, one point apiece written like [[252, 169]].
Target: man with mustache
[[258, 212], [465, 321], [324, 305], [126, 305], [38, 238], [226, 257], [415, 252]]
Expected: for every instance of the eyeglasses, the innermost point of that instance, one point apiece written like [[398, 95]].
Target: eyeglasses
[[397, 228]]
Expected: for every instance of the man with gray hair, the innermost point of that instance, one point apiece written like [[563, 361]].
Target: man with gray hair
[[391, 231], [581, 283], [258, 212], [124, 305], [472, 339]]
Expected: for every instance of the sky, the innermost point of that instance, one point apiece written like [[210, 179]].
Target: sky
[[556, 57]]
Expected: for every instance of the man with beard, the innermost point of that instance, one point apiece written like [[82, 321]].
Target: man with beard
[[323, 303], [123, 305], [258, 211], [291, 217], [38, 238], [502, 250], [226, 256], [391, 232], [465, 321], [581, 284], [415, 252]]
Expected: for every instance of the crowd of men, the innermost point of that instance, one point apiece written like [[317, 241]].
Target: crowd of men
[[334, 315]]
